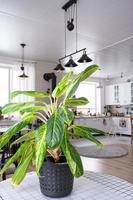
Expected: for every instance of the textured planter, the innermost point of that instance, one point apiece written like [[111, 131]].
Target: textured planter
[[56, 179]]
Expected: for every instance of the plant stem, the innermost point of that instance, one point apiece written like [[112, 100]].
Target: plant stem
[[41, 117], [55, 154]]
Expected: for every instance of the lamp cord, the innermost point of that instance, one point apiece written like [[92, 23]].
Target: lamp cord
[[65, 32], [22, 55], [69, 14], [76, 27]]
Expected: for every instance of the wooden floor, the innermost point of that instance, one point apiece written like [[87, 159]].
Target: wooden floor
[[121, 167]]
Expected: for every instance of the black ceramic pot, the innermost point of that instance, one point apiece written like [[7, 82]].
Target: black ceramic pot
[[56, 179]]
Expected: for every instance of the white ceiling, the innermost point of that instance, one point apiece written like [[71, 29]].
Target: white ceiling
[[40, 24]]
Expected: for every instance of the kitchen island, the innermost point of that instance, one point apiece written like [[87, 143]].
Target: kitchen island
[[113, 124]]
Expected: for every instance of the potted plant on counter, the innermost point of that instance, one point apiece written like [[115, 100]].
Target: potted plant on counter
[[48, 147]]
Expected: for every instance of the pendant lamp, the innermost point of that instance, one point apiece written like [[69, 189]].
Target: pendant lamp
[[84, 58], [23, 75], [71, 63], [59, 67]]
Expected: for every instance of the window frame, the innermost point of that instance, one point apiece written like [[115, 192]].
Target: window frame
[[95, 94], [9, 80]]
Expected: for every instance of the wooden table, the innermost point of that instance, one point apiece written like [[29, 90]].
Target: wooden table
[[92, 186]]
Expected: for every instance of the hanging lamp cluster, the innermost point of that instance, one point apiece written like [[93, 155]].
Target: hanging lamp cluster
[[70, 9], [23, 75]]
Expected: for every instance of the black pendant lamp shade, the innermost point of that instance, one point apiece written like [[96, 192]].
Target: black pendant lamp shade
[[71, 63], [84, 58], [23, 75], [59, 67]]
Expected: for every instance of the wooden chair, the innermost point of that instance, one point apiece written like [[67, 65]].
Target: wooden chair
[[6, 153], [5, 156]]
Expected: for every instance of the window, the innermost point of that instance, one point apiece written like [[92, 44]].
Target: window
[[93, 94], [17, 83], [9, 81], [4, 85]]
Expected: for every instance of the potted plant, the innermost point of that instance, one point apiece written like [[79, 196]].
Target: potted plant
[[48, 147]]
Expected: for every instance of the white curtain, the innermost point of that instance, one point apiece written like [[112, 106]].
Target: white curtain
[[23, 84]]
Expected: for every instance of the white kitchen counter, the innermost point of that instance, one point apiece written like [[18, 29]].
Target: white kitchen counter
[[99, 117], [105, 123]]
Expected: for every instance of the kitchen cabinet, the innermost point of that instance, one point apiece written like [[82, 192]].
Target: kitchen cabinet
[[112, 94], [109, 98], [116, 94], [119, 94], [122, 125], [125, 93], [131, 92]]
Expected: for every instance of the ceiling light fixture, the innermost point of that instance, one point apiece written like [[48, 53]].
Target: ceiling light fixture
[[107, 78], [84, 58], [70, 9], [122, 74], [23, 75], [100, 85], [59, 67], [71, 63]]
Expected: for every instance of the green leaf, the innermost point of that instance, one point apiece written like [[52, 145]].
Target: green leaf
[[21, 170], [19, 153], [66, 115], [30, 93], [72, 156], [86, 132], [72, 89], [37, 109], [14, 107], [32, 109], [15, 129], [93, 130], [41, 147], [74, 102], [25, 138], [55, 130], [62, 86], [86, 73]]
